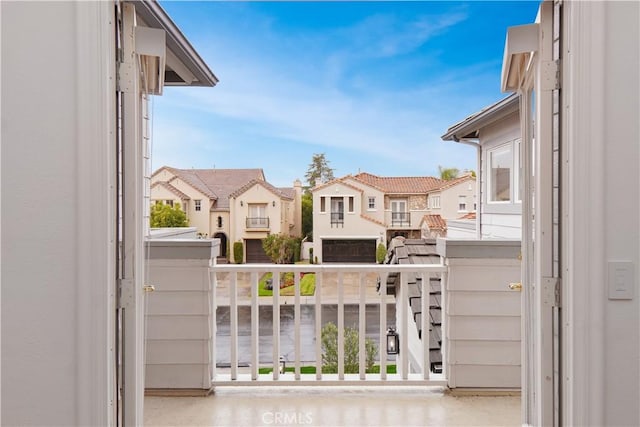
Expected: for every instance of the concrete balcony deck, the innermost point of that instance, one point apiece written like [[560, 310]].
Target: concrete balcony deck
[[333, 406]]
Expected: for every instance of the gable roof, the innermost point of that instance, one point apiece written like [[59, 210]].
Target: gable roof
[[470, 127], [217, 184], [400, 184], [172, 189], [434, 222], [278, 192], [455, 181], [342, 181]]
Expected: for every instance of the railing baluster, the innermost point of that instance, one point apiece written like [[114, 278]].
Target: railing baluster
[[319, 275], [425, 323], [405, 310], [276, 324], [255, 314], [213, 323], [296, 323], [340, 326], [233, 316], [362, 327], [383, 325], [444, 331]]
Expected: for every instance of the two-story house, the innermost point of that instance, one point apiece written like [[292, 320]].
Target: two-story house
[[231, 205], [352, 214]]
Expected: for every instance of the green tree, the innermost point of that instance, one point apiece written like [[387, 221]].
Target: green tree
[[329, 340], [318, 170], [448, 173], [307, 215], [167, 216], [281, 248]]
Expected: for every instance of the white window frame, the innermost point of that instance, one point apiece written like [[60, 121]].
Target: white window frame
[[503, 147], [197, 205], [351, 204], [434, 202], [323, 204], [371, 203]]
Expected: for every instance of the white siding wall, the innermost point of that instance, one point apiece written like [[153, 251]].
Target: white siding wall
[[57, 193], [499, 220]]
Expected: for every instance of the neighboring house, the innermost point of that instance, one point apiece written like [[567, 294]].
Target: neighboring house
[[231, 205], [433, 226], [495, 132], [352, 214]]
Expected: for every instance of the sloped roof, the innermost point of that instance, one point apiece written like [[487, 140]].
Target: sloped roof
[[172, 189], [470, 215], [278, 192], [341, 181], [217, 184], [434, 222], [455, 181], [288, 192], [400, 184]]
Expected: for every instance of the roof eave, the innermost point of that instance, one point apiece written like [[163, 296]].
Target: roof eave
[[155, 17]]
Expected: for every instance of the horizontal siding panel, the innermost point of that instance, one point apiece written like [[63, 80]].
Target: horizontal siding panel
[[490, 328], [485, 353], [487, 376], [487, 277], [188, 303], [177, 352], [468, 303], [178, 327], [179, 278], [177, 376]]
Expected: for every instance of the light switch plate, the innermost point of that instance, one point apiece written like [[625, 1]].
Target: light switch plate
[[621, 280]]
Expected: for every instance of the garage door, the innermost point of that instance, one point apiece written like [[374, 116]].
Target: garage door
[[255, 253], [349, 250]]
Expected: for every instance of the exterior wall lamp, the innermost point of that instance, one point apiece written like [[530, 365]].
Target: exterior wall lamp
[[241, 204], [393, 341], [273, 204]]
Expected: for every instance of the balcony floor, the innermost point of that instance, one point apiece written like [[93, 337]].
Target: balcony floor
[[332, 406]]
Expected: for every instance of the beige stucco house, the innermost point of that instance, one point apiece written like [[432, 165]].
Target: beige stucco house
[[352, 214], [234, 205]]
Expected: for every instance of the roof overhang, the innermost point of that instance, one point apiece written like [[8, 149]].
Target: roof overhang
[[469, 128], [183, 65], [521, 43]]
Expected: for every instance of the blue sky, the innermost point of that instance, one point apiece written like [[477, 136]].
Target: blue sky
[[373, 85]]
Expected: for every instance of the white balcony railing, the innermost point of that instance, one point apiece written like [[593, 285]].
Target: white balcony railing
[[412, 362]]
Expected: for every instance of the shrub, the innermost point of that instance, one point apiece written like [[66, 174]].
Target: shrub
[[281, 248], [381, 253], [167, 216], [311, 255], [329, 339], [238, 250]]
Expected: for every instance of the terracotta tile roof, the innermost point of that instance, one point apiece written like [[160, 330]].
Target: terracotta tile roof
[[172, 189], [278, 192], [470, 215], [288, 192], [435, 222], [342, 181], [217, 184], [375, 221], [400, 184]]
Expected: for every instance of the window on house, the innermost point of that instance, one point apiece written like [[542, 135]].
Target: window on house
[[257, 216], [337, 211], [169, 202], [322, 205], [462, 203], [351, 204], [372, 203], [500, 171], [516, 168], [219, 222], [399, 214], [434, 202], [198, 204]]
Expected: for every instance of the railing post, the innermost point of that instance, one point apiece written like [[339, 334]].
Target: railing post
[[233, 316], [383, 325], [319, 277], [340, 326], [275, 276], [213, 322], [255, 315], [403, 306], [296, 324], [361, 327]]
